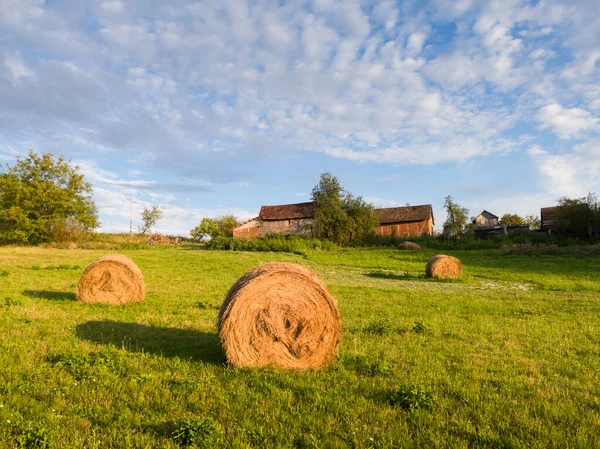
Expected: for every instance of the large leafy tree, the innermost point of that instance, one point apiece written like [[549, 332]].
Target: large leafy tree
[[40, 193], [456, 222], [339, 216]]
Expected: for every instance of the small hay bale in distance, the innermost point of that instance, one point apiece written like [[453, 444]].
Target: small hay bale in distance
[[411, 246], [443, 266], [112, 279], [279, 315]]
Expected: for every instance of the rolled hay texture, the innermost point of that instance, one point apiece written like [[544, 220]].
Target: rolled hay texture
[[112, 279], [443, 266], [279, 315], [409, 246]]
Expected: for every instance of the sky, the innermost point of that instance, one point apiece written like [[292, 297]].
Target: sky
[[219, 107]]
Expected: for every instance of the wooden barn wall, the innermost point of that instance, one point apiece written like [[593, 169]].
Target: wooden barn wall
[[301, 226], [412, 229], [247, 233]]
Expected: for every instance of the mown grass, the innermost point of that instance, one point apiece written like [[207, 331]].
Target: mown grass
[[507, 357]]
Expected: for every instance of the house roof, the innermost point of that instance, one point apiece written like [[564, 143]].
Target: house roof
[[487, 214], [404, 214], [287, 211], [548, 214]]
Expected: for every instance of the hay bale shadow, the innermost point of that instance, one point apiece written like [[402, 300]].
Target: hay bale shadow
[[166, 341], [50, 295]]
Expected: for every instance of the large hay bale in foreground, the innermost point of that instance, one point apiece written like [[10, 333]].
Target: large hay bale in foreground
[[281, 315], [409, 246], [443, 266], [112, 279]]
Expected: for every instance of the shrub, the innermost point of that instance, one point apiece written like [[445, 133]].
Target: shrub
[[412, 397], [203, 432]]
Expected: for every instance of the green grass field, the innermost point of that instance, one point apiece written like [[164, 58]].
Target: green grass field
[[507, 357]]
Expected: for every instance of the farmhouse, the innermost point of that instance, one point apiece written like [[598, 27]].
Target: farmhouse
[[408, 221], [486, 225]]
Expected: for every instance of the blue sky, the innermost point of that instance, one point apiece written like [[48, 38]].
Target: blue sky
[[208, 108]]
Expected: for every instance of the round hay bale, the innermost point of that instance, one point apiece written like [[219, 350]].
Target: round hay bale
[[112, 279], [409, 246], [443, 266], [280, 315]]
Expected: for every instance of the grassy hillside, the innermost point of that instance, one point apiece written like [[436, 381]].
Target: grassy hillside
[[509, 356]]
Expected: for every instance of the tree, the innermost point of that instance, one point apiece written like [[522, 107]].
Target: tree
[[339, 216], [457, 219], [512, 220], [207, 228], [226, 224], [533, 221], [149, 218], [40, 193], [579, 217]]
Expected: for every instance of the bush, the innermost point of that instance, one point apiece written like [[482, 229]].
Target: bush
[[289, 243], [34, 436]]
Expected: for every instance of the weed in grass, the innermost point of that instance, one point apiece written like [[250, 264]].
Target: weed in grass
[[419, 327], [380, 326], [83, 366], [36, 267], [412, 397], [203, 432], [4, 273], [34, 436], [8, 301], [205, 305], [377, 366]]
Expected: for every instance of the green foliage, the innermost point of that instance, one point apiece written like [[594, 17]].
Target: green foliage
[[412, 397], [579, 217], [339, 216], [512, 220], [289, 243], [34, 436], [203, 432], [4, 273], [226, 223], [533, 221], [380, 326], [214, 228], [149, 219], [456, 222], [419, 327], [8, 302], [38, 195], [85, 366]]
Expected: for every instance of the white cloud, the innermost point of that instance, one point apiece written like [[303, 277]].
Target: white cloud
[[17, 69], [573, 174], [566, 122]]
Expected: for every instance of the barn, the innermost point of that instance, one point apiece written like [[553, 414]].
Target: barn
[[549, 218], [247, 230], [408, 221], [485, 219], [287, 219]]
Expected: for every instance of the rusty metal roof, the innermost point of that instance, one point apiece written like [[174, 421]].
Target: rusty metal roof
[[287, 211], [390, 215]]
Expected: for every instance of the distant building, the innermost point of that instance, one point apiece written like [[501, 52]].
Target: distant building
[[287, 219], [408, 221], [247, 230], [487, 225], [549, 218], [485, 219]]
